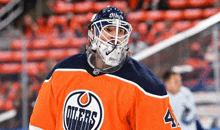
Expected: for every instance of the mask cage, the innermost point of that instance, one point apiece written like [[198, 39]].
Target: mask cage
[[100, 25]]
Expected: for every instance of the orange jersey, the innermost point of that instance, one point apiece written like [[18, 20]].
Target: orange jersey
[[74, 97]]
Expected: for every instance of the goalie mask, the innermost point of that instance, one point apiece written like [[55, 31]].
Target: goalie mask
[[108, 35]]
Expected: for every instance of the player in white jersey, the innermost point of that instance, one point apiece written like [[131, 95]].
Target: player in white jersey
[[181, 100]]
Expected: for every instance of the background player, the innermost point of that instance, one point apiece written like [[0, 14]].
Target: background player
[[182, 101], [103, 88]]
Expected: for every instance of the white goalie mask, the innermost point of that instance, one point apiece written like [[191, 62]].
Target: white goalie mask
[[108, 34]]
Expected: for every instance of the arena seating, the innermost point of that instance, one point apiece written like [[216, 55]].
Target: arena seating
[[5, 1], [183, 14], [64, 36]]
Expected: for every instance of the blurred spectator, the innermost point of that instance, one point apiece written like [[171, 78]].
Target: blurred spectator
[[3, 91], [155, 4], [43, 20], [8, 93], [143, 4], [151, 33], [49, 64], [217, 3], [163, 5], [63, 30], [150, 5], [43, 28], [210, 54], [211, 57], [136, 45], [196, 58], [201, 66], [133, 4], [83, 48], [31, 95], [101, 0], [195, 51], [167, 33], [78, 31], [28, 26], [143, 30], [77, 28], [29, 5], [127, 11]]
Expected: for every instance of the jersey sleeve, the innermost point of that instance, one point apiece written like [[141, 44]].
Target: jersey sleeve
[[44, 113], [190, 105], [152, 112]]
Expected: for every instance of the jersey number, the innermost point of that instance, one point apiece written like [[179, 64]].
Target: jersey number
[[168, 118]]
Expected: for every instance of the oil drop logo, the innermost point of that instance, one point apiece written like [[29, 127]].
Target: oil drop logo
[[83, 110]]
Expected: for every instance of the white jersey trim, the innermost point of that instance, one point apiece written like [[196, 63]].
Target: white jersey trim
[[125, 80], [139, 87], [47, 80], [34, 128]]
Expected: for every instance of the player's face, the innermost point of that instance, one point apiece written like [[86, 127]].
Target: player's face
[[175, 83], [178, 80], [109, 34]]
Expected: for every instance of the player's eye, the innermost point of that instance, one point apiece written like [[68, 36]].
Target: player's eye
[[121, 32], [108, 30]]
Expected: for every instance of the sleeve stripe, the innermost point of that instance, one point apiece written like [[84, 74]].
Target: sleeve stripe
[[34, 128], [47, 80], [140, 88]]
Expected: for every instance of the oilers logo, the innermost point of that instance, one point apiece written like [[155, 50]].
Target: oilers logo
[[83, 110]]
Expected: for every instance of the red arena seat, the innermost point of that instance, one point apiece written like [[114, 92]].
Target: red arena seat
[[82, 7], [9, 104], [14, 89], [45, 31], [6, 56], [32, 68], [41, 66], [199, 3], [57, 20], [137, 16], [60, 7], [80, 18], [37, 55], [5, 1], [78, 42], [97, 6], [10, 68], [173, 15], [122, 5], [182, 25], [209, 12], [89, 15], [57, 42], [155, 15], [57, 54], [17, 56], [192, 13], [72, 51], [195, 22], [17, 44], [41, 43], [177, 4], [159, 26], [142, 28]]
